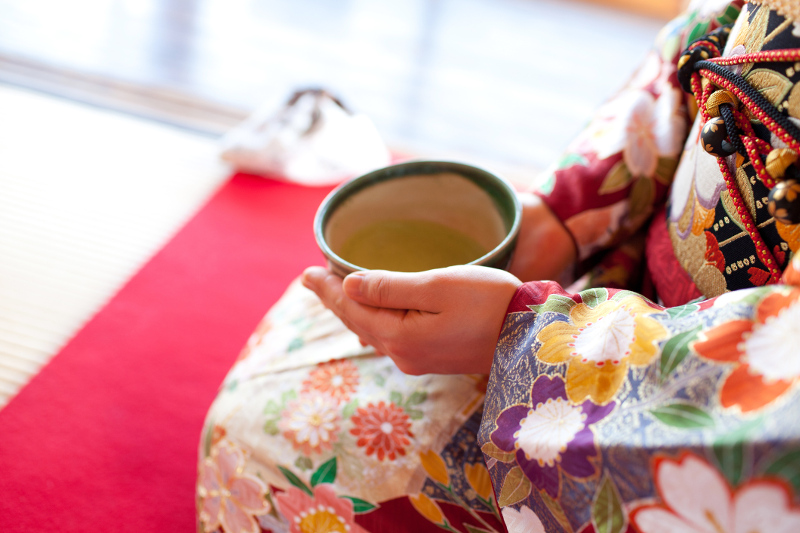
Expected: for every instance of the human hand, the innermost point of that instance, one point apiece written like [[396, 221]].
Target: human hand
[[443, 321]]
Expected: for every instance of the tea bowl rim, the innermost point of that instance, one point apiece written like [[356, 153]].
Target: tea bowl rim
[[405, 169]]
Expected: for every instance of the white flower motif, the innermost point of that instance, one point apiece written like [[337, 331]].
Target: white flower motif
[[643, 127], [608, 339], [311, 422], [547, 430], [522, 521], [771, 349], [697, 499]]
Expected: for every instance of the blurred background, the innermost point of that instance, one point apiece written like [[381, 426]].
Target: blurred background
[[111, 113], [507, 81]]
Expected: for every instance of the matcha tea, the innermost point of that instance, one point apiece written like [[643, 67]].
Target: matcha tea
[[409, 246]]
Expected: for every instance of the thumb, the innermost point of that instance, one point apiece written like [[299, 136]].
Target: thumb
[[383, 288]]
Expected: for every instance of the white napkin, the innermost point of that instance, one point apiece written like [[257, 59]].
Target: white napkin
[[312, 140]]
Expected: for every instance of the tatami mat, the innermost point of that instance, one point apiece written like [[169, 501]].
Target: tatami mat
[[86, 197]]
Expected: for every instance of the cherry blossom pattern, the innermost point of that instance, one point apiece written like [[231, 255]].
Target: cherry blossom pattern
[[322, 512], [382, 429], [762, 352], [229, 498], [695, 497], [523, 520], [550, 434], [599, 343], [337, 379], [642, 126], [311, 423]]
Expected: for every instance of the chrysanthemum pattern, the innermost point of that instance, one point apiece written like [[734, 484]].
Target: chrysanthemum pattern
[[382, 429]]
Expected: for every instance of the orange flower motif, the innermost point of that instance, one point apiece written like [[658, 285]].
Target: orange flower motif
[[337, 379], [435, 467], [478, 478], [762, 351], [229, 498], [382, 429], [427, 508], [599, 344]]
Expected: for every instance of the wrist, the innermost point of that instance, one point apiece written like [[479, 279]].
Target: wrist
[[545, 248]]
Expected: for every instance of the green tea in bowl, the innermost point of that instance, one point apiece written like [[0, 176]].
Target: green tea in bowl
[[419, 216]]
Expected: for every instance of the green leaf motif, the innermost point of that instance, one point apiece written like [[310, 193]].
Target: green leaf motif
[[676, 349], [326, 473], [730, 459], [379, 380], [594, 297], [608, 515], [516, 488], [621, 295], [295, 481], [296, 344], [304, 463], [288, 396], [683, 415], [361, 506], [682, 311], [415, 414], [697, 32], [730, 14], [729, 450], [571, 159], [272, 408], [271, 427], [396, 398], [417, 398], [787, 467], [546, 183], [556, 303], [349, 409], [473, 529]]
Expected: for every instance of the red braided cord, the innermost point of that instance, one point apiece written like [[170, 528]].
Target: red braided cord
[[708, 44], [755, 148], [744, 214], [789, 54], [773, 126]]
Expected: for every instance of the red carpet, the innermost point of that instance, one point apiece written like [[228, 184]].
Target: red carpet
[[105, 437]]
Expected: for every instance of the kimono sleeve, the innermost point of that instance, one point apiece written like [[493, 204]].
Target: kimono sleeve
[[607, 412], [618, 170]]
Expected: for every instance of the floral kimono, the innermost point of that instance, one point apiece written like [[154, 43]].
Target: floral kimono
[[657, 394]]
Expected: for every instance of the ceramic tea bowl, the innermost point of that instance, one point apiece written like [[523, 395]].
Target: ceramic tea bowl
[[417, 216]]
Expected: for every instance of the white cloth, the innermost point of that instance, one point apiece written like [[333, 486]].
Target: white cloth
[[311, 140]]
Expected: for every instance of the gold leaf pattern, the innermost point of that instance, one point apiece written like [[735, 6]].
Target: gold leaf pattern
[[516, 488], [752, 35], [557, 510], [772, 85], [745, 190], [493, 451], [794, 101], [617, 179], [641, 199]]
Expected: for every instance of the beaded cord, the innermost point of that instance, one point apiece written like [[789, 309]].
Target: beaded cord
[[701, 61]]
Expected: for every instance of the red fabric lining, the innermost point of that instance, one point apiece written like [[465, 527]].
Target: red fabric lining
[[105, 437]]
